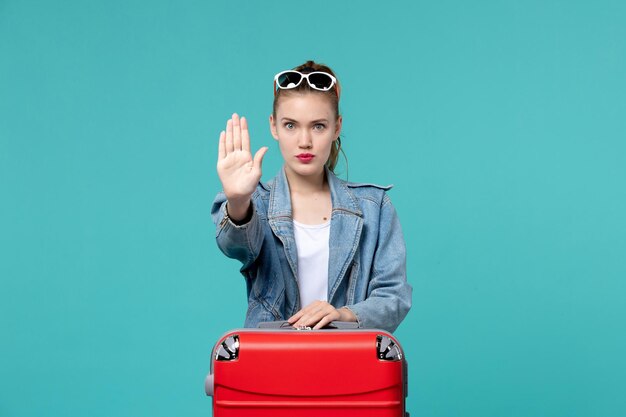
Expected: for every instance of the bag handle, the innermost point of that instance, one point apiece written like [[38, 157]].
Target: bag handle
[[284, 324]]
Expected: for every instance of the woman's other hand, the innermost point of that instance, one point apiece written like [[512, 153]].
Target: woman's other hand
[[237, 170], [318, 314]]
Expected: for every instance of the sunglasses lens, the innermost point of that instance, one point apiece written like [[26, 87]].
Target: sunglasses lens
[[321, 81], [289, 79]]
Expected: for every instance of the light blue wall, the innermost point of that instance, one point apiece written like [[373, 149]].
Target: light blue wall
[[501, 123]]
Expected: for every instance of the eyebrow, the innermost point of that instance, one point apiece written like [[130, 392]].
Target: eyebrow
[[288, 119]]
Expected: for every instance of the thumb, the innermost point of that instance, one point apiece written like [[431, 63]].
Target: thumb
[[258, 157]]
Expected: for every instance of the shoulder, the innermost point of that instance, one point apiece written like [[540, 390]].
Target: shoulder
[[376, 193], [362, 192]]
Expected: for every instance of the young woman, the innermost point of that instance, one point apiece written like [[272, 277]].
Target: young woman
[[314, 248]]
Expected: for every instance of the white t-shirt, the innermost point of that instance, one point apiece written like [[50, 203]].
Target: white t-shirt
[[312, 245]]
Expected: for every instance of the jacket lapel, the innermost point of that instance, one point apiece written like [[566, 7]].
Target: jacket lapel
[[346, 224], [280, 219]]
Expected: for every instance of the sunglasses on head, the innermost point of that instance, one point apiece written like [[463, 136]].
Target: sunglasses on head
[[318, 80]]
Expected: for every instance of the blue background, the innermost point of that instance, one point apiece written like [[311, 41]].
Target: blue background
[[501, 124]]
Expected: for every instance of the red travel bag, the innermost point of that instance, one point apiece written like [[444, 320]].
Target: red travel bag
[[307, 373]]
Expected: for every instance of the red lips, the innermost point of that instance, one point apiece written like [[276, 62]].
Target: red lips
[[305, 157]]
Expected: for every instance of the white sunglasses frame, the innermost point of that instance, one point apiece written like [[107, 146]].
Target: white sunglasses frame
[[277, 86]]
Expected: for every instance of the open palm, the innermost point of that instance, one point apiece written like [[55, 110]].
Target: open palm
[[237, 170]]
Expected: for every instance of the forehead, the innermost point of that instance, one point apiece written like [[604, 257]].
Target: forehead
[[305, 106]]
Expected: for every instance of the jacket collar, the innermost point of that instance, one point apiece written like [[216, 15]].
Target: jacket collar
[[345, 226], [280, 199]]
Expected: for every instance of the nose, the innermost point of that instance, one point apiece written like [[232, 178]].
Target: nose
[[305, 141]]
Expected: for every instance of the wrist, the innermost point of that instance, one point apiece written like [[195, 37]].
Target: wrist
[[238, 210], [345, 314]]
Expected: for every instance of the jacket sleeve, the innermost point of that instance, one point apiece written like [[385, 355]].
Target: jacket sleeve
[[242, 242], [389, 294]]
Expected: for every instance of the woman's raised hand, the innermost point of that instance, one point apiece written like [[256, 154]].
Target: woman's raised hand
[[237, 170]]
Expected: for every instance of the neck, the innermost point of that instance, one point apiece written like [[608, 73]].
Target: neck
[[308, 184]]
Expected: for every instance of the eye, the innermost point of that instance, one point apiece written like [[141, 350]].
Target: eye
[[289, 125], [319, 126]]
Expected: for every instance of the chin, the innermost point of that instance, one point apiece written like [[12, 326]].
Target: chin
[[307, 170]]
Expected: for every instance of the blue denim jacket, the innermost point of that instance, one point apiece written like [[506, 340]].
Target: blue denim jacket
[[367, 264]]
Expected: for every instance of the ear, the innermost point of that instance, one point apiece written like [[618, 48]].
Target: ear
[[338, 127], [273, 127]]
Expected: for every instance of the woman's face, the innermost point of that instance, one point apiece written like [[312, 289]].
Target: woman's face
[[305, 127]]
